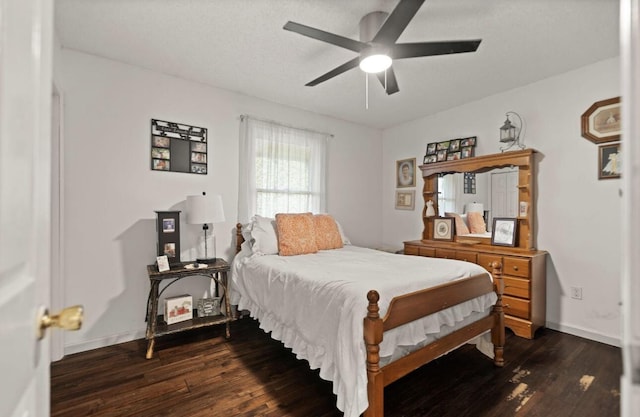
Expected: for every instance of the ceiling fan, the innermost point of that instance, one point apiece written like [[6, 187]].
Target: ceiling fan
[[377, 48]]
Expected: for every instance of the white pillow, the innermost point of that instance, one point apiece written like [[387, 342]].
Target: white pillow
[[264, 235], [345, 239]]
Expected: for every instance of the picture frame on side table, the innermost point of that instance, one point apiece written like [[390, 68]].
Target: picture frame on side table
[[601, 122], [443, 228], [609, 161], [504, 232], [178, 308], [168, 234], [405, 200]]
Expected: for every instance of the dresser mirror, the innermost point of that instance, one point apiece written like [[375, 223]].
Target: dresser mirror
[[503, 183], [494, 193]]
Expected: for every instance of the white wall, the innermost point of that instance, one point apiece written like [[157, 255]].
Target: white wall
[[578, 216], [110, 193]]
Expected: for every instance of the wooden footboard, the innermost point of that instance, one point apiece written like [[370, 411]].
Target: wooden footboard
[[406, 308]]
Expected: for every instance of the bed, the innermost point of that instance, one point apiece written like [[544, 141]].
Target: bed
[[323, 305]]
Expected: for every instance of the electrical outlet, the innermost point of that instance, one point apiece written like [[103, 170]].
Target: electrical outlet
[[576, 293]]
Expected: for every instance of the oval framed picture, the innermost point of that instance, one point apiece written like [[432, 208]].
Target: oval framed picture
[[443, 228]]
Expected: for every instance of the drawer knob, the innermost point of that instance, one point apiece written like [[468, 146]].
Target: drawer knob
[[515, 268]]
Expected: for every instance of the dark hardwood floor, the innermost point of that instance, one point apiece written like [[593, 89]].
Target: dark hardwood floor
[[200, 373]]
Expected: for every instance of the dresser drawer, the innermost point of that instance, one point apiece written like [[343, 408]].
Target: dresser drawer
[[411, 250], [445, 253], [516, 307], [467, 256], [519, 267], [517, 286], [485, 260], [430, 252]]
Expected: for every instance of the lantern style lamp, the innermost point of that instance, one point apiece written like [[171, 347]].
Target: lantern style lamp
[[510, 133]]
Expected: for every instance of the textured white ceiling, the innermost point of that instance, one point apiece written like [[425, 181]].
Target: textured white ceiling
[[240, 45]]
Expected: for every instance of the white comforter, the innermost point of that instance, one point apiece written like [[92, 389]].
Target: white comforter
[[315, 304]]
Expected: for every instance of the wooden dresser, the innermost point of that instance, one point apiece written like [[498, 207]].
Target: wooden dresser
[[524, 267], [524, 299]]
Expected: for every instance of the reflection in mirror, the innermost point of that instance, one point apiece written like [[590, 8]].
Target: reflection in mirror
[[495, 190]]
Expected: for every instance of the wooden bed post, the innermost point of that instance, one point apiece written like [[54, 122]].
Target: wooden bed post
[[497, 332], [373, 337]]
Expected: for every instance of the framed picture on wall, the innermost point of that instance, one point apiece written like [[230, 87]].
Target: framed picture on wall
[[601, 122], [405, 200], [406, 173], [609, 161]]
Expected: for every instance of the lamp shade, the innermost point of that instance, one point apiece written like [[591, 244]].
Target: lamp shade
[[203, 209], [478, 207]]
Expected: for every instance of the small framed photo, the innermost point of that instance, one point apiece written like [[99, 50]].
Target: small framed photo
[[470, 141], [443, 145], [160, 153], [454, 145], [504, 232], [406, 173], [443, 228], [198, 169], [441, 155], [431, 148], [453, 156], [168, 225], [178, 308], [170, 250], [524, 209], [466, 152], [163, 263], [601, 122], [430, 159], [160, 164], [161, 142], [405, 200], [609, 162], [199, 147], [198, 157]]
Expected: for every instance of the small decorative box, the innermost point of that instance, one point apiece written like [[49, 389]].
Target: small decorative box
[[178, 308]]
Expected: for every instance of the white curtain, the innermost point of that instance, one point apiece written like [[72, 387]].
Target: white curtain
[[282, 169], [449, 190]]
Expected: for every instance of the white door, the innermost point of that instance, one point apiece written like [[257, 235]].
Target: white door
[[504, 194], [25, 100]]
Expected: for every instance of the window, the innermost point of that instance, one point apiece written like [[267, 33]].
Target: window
[[282, 169]]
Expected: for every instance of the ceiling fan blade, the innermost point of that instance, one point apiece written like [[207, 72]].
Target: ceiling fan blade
[[397, 21], [323, 36], [392, 83], [411, 50], [336, 71]]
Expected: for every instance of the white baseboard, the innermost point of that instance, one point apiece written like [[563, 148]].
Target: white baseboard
[[585, 334], [103, 342]]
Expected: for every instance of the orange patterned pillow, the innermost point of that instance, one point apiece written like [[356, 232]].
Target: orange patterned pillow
[[461, 226], [296, 234], [327, 232], [476, 222]]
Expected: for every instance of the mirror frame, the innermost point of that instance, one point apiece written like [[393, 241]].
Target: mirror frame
[[523, 159]]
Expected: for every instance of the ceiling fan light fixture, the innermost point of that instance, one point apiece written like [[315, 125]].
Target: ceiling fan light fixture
[[375, 63]]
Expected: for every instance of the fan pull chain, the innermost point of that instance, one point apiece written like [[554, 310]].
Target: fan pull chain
[[366, 90], [385, 81]]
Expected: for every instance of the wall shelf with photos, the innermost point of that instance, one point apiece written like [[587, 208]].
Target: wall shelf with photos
[[177, 147], [450, 150]]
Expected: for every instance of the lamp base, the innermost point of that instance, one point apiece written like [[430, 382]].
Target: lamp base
[[207, 261]]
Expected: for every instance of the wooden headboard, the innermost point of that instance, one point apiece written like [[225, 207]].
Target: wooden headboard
[[239, 237]]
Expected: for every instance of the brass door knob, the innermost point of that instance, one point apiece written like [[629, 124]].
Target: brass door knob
[[69, 318]]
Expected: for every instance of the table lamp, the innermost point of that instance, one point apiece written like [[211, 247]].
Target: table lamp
[[204, 209]]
